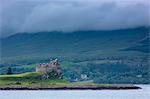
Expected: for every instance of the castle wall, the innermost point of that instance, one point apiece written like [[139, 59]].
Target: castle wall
[[53, 65]]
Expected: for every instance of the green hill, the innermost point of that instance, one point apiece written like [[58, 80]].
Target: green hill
[[81, 45]]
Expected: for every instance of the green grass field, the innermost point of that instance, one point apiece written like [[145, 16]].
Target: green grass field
[[30, 79]]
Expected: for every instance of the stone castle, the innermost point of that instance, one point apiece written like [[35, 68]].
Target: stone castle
[[48, 67]]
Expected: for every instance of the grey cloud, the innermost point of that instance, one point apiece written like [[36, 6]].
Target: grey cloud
[[64, 15]]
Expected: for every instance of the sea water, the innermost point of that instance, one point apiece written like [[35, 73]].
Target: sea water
[[143, 93]]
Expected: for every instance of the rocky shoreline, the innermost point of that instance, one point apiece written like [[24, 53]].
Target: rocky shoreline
[[74, 88]]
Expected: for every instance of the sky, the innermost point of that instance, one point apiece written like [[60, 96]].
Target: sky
[[18, 16]]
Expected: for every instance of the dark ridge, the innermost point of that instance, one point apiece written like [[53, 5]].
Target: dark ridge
[[142, 28]]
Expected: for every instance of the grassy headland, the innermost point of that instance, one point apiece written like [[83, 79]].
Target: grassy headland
[[33, 81]]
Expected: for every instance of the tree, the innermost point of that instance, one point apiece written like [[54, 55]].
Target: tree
[[53, 74], [9, 70]]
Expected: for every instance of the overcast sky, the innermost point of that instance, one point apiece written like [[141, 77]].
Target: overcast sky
[[71, 15]]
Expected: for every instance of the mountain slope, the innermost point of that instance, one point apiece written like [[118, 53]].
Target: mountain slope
[[26, 47], [142, 46]]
